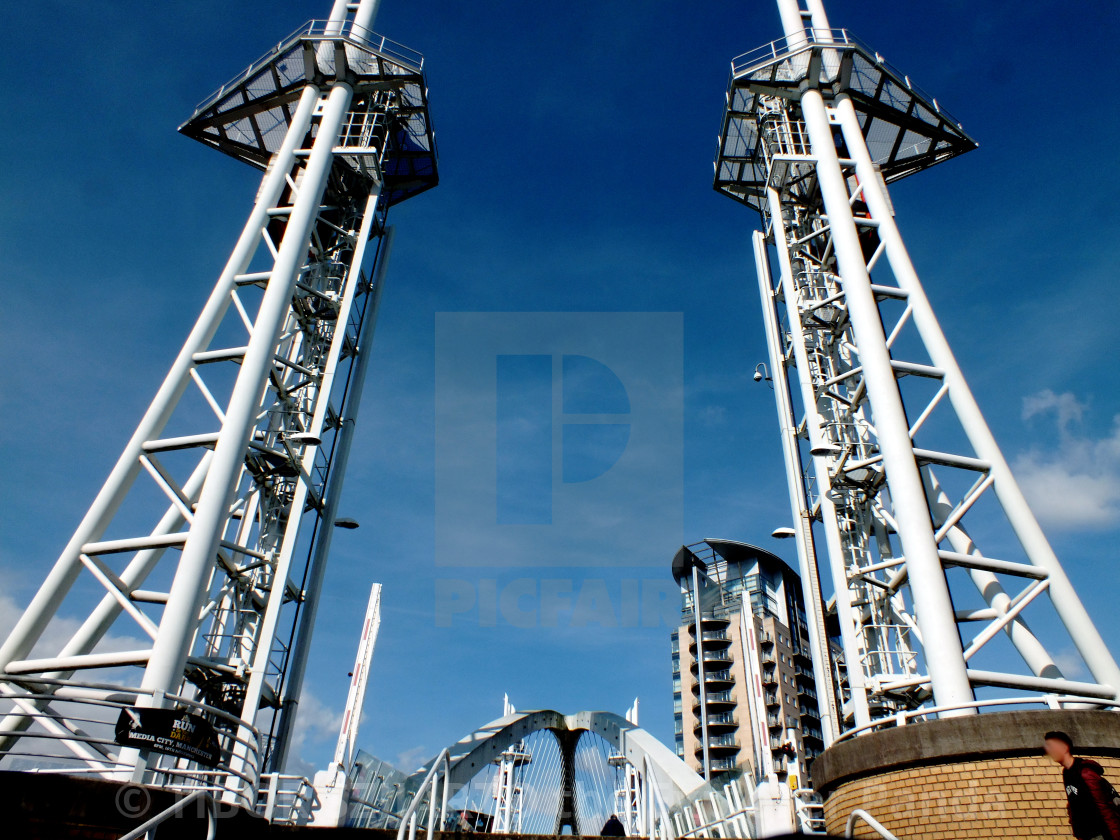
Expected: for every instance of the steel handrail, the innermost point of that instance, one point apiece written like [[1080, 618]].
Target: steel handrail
[[408, 818], [655, 807], [876, 826], [167, 813], [901, 718], [108, 696], [840, 39], [324, 30]]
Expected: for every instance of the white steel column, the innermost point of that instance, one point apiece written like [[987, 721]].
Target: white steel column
[[58, 582], [301, 646], [845, 611], [1066, 601], [803, 530], [928, 586], [169, 653]]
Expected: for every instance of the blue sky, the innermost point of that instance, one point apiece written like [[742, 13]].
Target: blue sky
[[575, 142]]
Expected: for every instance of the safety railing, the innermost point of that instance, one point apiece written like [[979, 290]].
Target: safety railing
[[361, 37], [784, 47], [325, 30], [658, 824], [839, 39], [1049, 701], [87, 745], [285, 799], [429, 791], [147, 829], [808, 811], [785, 137], [710, 812], [876, 826]]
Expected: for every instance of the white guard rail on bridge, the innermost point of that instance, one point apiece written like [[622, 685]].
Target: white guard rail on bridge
[[431, 787]]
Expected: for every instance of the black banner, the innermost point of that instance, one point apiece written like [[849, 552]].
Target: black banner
[[171, 732]]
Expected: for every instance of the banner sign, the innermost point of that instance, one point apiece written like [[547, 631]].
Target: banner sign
[[171, 732]]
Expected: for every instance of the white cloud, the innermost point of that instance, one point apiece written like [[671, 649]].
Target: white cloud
[[410, 760], [1066, 406], [1071, 664], [316, 729], [1076, 483]]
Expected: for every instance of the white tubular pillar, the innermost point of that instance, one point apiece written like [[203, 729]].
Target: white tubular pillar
[[365, 15], [180, 616], [792, 24], [94, 628], [818, 17], [845, 612], [803, 530], [301, 647], [61, 577], [1031, 649], [941, 645], [1066, 601]]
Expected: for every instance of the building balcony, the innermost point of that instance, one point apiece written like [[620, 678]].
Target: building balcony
[[805, 673], [716, 702], [770, 676], [719, 747], [774, 721], [723, 765], [766, 640], [714, 660], [707, 623], [713, 640], [719, 723], [718, 680], [810, 714], [772, 699]]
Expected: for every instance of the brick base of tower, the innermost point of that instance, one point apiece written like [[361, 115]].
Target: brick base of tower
[[981, 776]]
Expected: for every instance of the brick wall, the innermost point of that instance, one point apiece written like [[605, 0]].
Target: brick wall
[[996, 797]]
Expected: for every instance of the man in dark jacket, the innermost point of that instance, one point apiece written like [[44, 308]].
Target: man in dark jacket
[[1093, 815]]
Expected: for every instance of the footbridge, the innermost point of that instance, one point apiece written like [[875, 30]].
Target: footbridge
[[543, 772]]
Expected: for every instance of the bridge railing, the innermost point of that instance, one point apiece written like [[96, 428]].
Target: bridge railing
[[429, 795], [658, 824], [86, 742]]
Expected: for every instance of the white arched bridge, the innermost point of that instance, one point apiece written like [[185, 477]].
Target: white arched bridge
[[545, 772]]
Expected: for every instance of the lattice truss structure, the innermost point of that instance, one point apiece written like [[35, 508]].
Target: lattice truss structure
[[205, 545], [890, 462]]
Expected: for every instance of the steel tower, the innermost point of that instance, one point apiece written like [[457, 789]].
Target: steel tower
[[205, 549], [888, 457]]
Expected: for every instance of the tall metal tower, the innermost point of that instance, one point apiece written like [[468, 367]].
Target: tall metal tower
[[888, 458], [204, 552]]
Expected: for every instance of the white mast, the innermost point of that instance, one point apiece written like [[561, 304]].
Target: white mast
[[351, 716], [889, 458], [212, 528]]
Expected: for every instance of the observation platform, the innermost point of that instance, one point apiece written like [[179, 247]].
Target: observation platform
[[248, 116], [905, 128]]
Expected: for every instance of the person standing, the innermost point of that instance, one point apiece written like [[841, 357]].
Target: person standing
[[1094, 812], [613, 827]]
